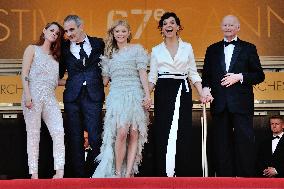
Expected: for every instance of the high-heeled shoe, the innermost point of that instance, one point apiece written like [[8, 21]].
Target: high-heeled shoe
[[59, 174], [129, 175], [34, 176], [117, 174]]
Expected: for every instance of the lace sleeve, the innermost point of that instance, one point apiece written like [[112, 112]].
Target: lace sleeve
[[104, 66], [142, 58]]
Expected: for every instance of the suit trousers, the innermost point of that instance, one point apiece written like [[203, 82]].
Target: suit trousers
[[234, 144], [82, 114]]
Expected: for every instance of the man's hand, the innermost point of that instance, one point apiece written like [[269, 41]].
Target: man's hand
[[230, 79], [270, 172]]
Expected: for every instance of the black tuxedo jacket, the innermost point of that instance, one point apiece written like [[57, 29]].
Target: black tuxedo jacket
[[267, 159], [78, 73], [239, 97]]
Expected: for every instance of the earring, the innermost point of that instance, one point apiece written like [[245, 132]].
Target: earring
[[178, 32]]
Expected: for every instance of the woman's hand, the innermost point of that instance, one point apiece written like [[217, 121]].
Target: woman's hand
[[147, 102], [61, 82], [28, 103], [206, 96]]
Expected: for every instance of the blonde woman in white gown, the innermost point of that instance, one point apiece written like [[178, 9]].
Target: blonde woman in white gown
[[126, 119]]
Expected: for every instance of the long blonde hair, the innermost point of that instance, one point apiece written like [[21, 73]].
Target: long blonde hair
[[110, 42]]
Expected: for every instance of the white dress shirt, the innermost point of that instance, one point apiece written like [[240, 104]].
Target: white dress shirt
[[228, 51], [75, 49], [275, 142], [182, 63]]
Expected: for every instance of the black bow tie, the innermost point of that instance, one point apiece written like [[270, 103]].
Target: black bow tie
[[275, 137], [231, 42], [81, 43]]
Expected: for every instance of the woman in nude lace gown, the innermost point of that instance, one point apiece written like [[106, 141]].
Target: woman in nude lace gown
[[126, 119], [40, 74]]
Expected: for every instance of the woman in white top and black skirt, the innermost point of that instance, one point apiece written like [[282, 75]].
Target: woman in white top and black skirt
[[172, 67]]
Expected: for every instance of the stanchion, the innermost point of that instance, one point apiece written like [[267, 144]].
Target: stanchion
[[204, 141]]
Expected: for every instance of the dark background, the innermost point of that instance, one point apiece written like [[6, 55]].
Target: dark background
[[13, 155]]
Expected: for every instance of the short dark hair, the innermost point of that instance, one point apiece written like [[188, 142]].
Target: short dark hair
[[74, 18], [167, 15], [277, 117]]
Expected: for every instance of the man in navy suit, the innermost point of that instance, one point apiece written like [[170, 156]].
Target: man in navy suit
[[84, 92], [271, 151], [231, 68]]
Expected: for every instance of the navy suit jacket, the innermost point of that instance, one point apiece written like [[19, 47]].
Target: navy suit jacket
[[267, 159], [78, 73], [239, 97]]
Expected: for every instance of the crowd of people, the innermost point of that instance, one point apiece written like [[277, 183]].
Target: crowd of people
[[112, 147]]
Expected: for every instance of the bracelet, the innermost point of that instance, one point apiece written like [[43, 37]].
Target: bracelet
[[29, 100]]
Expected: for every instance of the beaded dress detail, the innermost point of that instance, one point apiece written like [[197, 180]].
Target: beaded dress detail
[[43, 79], [123, 105]]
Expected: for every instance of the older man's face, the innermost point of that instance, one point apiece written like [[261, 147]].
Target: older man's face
[[230, 27], [72, 31]]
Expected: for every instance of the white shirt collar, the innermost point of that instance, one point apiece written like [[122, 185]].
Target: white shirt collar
[[86, 39], [181, 42], [235, 39], [280, 135]]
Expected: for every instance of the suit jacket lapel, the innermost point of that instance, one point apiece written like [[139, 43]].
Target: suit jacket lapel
[[235, 55], [69, 53], [93, 45], [222, 56], [281, 142]]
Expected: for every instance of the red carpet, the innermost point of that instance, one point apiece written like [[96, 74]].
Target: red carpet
[[139, 182]]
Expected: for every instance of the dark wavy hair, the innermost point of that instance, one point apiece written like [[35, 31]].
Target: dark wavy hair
[[55, 47], [167, 15]]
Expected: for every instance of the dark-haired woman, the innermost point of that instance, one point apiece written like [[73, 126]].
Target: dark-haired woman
[[172, 67], [40, 77]]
